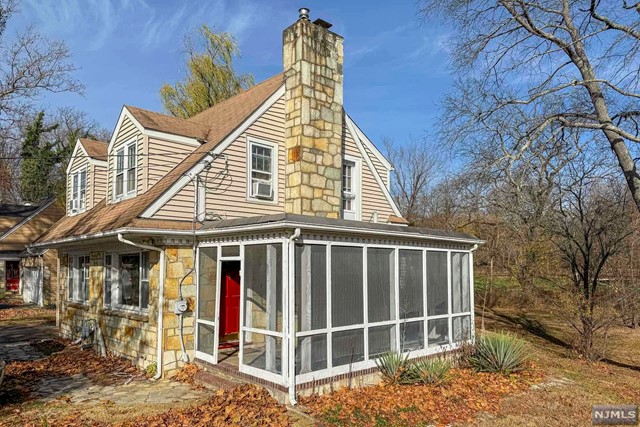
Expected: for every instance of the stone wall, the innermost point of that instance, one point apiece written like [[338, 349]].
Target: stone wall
[[179, 265], [128, 334], [313, 61]]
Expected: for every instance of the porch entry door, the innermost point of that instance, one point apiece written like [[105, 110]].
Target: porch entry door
[[207, 308], [230, 301]]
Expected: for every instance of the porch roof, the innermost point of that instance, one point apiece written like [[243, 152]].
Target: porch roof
[[339, 225]]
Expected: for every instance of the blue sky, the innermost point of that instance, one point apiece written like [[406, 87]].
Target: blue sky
[[395, 65]]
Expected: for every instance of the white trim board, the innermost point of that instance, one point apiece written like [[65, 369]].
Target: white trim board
[[370, 145], [374, 172], [74, 155], [154, 207]]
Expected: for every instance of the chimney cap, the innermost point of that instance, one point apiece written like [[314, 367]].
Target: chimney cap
[[322, 23], [304, 13]]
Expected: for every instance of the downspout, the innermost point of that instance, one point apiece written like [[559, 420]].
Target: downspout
[[159, 334], [292, 316]]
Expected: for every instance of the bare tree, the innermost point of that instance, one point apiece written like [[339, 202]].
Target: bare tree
[[590, 224], [548, 65], [416, 165]]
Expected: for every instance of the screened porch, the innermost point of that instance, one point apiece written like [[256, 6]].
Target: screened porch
[[313, 303]]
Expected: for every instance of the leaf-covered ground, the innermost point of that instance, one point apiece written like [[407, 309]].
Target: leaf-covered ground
[[247, 405], [459, 400], [13, 309]]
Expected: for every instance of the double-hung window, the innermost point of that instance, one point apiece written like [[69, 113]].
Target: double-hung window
[[350, 181], [263, 164], [125, 176], [126, 281], [78, 200], [78, 278]]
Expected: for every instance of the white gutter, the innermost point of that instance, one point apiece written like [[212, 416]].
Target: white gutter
[[292, 317], [250, 227], [159, 333]]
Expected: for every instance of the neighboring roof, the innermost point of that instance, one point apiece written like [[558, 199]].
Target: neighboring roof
[[28, 214], [222, 119], [18, 211], [95, 149], [295, 220]]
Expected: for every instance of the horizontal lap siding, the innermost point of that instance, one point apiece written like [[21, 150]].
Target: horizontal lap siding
[[99, 179], [227, 197], [373, 198], [126, 133], [377, 164], [163, 157]]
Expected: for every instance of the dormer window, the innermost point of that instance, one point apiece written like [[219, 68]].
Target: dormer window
[[125, 182], [78, 201], [262, 170]]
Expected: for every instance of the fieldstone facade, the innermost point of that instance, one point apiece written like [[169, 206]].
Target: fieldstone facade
[[134, 334], [313, 62]]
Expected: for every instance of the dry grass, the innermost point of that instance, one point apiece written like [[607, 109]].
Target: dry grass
[[573, 385]]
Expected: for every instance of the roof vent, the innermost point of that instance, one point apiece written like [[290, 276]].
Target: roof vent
[[304, 13], [322, 23]]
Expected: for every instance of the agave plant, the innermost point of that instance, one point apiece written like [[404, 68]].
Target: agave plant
[[393, 366], [502, 353], [430, 371]]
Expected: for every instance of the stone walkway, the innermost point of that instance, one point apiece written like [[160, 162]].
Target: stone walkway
[[14, 346]]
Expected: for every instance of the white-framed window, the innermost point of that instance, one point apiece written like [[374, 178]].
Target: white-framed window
[[78, 199], [78, 278], [125, 173], [262, 170], [350, 188], [126, 280]]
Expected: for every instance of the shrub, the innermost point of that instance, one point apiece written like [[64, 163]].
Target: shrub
[[429, 371], [393, 366], [503, 353]]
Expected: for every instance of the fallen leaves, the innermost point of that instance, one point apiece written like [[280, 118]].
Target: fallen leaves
[[186, 374], [22, 378], [459, 400], [247, 405], [26, 312]]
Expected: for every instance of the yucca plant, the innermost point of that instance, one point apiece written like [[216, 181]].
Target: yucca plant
[[504, 353], [429, 371], [393, 367]]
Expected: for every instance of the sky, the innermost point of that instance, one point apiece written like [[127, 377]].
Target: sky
[[395, 71]]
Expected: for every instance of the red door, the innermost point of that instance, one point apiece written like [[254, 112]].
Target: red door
[[230, 300], [12, 274]]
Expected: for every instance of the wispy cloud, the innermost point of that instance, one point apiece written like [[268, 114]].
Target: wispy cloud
[[380, 40]]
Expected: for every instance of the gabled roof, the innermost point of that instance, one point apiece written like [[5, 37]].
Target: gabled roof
[[221, 120], [94, 149], [25, 213], [173, 125], [17, 211]]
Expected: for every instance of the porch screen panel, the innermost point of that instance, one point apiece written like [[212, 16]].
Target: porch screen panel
[[206, 338], [461, 328], [411, 336], [348, 347], [263, 286], [460, 300], [346, 286], [381, 284], [410, 275], [437, 293], [311, 353], [438, 332], [311, 287], [263, 352], [208, 274], [382, 339]]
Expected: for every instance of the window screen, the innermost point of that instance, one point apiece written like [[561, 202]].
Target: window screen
[[382, 339], [311, 287], [437, 294], [311, 353], [263, 286], [346, 286], [348, 347], [381, 284], [207, 280], [438, 332], [461, 328], [410, 266], [460, 285]]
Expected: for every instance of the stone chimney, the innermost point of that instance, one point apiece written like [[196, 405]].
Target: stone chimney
[[313, 60]]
